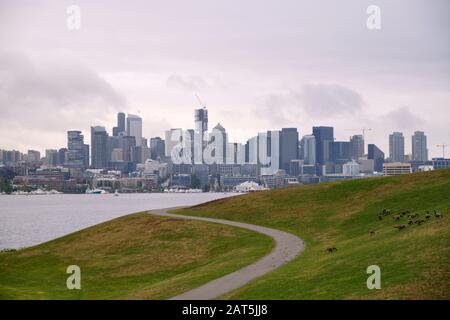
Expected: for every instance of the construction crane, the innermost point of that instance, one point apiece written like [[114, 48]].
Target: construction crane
[[200, 101], [363, 131], [443, 146]]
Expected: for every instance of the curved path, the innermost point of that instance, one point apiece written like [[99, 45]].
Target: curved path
[[287, 247]]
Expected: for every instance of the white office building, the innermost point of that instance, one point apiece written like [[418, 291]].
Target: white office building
[[309, 149], [134, 128]]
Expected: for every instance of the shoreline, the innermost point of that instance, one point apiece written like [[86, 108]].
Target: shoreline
[[32, 220]]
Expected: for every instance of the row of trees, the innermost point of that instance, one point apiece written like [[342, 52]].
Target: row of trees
[[6, 176]]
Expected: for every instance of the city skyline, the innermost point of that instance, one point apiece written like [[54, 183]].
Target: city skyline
[[360, 144], [297, 65]]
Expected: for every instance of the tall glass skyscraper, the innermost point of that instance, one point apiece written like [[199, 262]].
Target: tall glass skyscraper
[[120, 125], [396, 147], [419, 146], [201, 120], [357, 145], [342, 152], [75, 150], [375, 154], [99, 147], [288, 147], [157, 148], [324, 140]]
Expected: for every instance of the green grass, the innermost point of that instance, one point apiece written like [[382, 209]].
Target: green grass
[[414, 262], [138, 256]]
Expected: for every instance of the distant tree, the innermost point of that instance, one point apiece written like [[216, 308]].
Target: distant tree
[[206, 188], [5, 185], [195, 182]]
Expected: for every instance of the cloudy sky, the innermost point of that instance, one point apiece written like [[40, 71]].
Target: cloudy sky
[[257, 65]]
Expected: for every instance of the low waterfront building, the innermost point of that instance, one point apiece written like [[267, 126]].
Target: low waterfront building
[[396, 168], [276, 180], [350, 168], [440, 163], [51, 178], [183, 180]]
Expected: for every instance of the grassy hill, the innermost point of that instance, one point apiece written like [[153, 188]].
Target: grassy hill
[[138, 256], [414, 261]]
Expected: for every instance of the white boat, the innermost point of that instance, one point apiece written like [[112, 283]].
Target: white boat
[[38, 192], [95, 191]]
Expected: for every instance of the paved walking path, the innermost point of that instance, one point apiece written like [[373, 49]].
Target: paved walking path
[[287, 247]]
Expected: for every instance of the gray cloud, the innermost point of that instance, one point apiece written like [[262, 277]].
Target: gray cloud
[[404, 118], [325, 100], [63, 82], [41, 97], [55, 90], [277, 109], [320, 101]]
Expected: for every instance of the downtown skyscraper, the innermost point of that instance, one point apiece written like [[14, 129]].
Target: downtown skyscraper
[[396, 147], [134, 128], [99, 147], [419, 146], [288, 147], [324, 146], [375, 154], [120, 129], [77, 151], [357, 145]]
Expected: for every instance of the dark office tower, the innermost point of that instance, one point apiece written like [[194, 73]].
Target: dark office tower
[[247, 151], [342, 152], [396, 147], [75, 150], [99, 147], [201, 120], [324, 139], [120, 122], [288, 147], [357, 143], [62, 156], [374, 153], [157, 148], [419, 147]]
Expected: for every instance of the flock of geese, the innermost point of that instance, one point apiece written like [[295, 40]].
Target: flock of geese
[[412, 218]]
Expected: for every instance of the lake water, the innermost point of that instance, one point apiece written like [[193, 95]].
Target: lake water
[[30, 220]]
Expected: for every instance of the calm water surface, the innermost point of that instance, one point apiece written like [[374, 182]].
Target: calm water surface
[[30, 220]]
